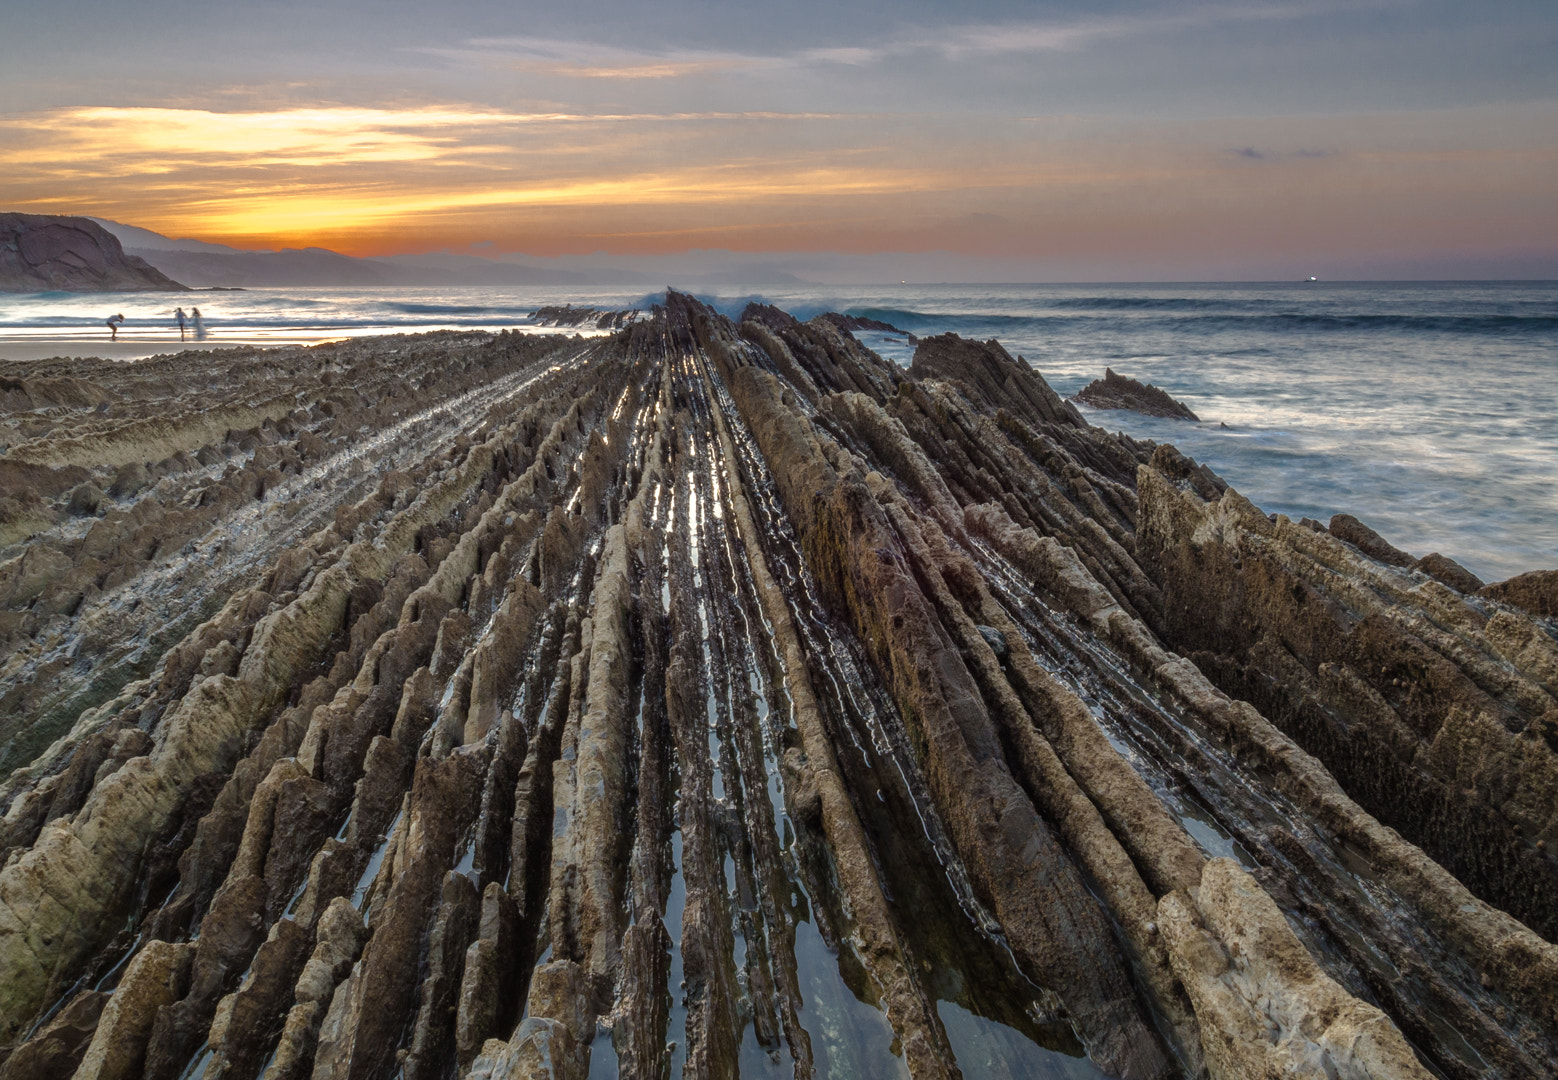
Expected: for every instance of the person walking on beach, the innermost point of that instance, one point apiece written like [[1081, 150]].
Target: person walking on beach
[[179, 312], [200, 324], [113, 326]]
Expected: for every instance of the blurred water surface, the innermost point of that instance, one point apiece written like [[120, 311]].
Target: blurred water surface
[[1428, 409]]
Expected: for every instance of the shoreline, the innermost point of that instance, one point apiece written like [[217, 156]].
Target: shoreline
[[131, 346], [1302, 434]]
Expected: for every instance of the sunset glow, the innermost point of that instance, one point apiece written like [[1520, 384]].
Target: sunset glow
[[551, 145]]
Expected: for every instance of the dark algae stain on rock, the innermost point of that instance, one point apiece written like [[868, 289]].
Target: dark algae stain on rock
[[718, 698]]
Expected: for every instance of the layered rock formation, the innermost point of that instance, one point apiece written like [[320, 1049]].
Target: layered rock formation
[[43, 252], [1119, 392], [859, 322], [590, 318], [717, 698]]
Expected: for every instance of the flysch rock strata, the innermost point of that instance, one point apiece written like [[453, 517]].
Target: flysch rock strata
[[713, 697], [1122, 392], [589, 318]]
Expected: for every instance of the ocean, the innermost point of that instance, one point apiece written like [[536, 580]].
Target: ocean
[[1427, 409]]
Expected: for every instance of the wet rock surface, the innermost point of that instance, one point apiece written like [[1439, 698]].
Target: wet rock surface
[[717, 698]]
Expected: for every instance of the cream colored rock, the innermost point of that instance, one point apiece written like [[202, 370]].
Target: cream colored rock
[[340, 934], [544, 1046], [1523, 644], [1266, 1008], [154, 978], [54, 897]]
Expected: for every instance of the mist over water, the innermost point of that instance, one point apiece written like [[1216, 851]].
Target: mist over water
[[1429, 410]]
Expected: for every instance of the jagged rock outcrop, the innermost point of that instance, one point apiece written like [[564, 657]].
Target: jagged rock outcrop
[[1536, 592], [858, 322], [1119, 392], [47, 252], [991, 379], [715, 697], [583, 317]]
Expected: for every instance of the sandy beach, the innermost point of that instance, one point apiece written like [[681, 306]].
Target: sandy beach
[[128, 347]]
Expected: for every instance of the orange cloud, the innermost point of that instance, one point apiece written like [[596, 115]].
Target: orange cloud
[[376, 181]]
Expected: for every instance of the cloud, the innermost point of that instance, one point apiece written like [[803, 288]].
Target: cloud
[[589, 60], [126, 141], [1251, 154], [1034, 37], [586, 59], [141, 138], [383, 180], [290, 173]]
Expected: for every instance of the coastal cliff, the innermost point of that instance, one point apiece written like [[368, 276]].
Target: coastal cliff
[[1118, 392], [44, 252], [500, 706]]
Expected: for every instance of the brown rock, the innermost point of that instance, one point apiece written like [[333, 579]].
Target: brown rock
[[1266, 1008], [488, 978], [155, 978], [454, 635], [1449, 572], [899, 640], [1118, 392], [453, 926], [42, 252], [361, 1030], [85, 501], [25, 577], [994, 380], [339, 934], [243, 1024], [1348, 528], [58, 1048], [545, 1043], [1536, 591]]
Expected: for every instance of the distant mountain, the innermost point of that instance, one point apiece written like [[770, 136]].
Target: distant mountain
[[133, 236], [261, 269], [205, 265], [44, 252], [446, 268]]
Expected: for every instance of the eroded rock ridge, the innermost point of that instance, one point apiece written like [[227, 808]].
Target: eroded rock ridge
[[716, 698], [1122, 392]]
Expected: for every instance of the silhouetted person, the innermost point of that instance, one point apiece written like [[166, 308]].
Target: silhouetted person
[[113, 326], [181, 317], [200, 324]]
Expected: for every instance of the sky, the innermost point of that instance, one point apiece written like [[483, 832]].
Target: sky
[[988, 140]]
